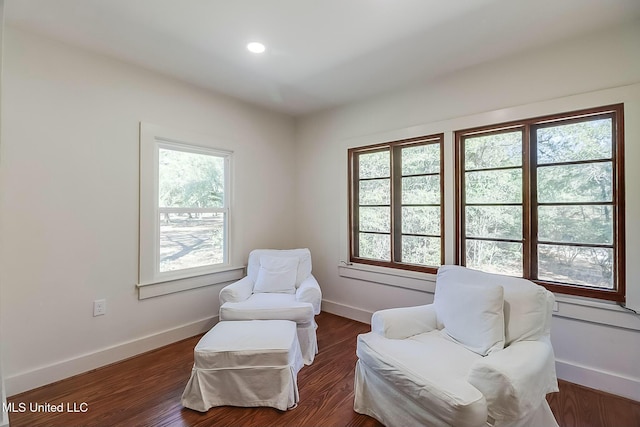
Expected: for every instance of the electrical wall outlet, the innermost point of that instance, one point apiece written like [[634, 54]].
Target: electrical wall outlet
[[99, 307], [556, 306]]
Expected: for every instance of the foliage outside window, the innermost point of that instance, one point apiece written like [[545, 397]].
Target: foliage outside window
[[184, 207], [543, 199], [191, 208], [396, 210]]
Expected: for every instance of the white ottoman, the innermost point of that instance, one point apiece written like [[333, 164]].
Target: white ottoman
[[245, 363]]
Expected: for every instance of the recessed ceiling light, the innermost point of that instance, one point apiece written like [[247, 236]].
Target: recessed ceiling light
[[256, 47]]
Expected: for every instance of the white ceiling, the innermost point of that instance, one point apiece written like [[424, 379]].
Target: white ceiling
[[320, 53]]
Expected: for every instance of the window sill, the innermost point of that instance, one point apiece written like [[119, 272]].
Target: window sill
[[406, 279], [569, 307], [226, 275], [589, 310]]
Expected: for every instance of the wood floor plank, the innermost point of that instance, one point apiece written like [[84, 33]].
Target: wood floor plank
[[578, 406], [146, 390]]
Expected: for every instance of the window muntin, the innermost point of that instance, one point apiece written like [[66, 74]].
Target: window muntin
[[556, 213], [396, 204]]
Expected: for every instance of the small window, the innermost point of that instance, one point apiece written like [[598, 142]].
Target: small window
[[184, 211], [396, 210], [544, 199]]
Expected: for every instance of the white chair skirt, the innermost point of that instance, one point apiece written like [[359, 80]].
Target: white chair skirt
[[308, 341], [377, 398], [245, 363]]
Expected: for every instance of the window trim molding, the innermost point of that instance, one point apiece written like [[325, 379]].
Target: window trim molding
[[618, 195], [152, 139], [220, 277], [352, 178]]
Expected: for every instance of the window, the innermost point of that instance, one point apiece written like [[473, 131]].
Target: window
[[395, 204], [184, 209], [543, 199]]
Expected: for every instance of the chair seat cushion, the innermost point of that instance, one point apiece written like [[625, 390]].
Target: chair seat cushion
[[268, 306], [432, 370]]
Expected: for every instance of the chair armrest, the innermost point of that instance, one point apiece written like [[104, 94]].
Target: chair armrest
[[404, 322], [237, 291], [515, 381], [309, 291]]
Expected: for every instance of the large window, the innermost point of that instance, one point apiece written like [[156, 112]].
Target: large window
[[543, 199], [396, 204], [184, 210]]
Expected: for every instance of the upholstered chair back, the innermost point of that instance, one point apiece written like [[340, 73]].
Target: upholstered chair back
[[303, 255], [527, 307]]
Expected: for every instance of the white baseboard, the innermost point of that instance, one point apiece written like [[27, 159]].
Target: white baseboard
[[347, 311], [599, 380], [29, 380]]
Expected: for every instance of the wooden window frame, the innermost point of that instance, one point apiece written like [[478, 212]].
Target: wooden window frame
[[530, 203], [395, 201]]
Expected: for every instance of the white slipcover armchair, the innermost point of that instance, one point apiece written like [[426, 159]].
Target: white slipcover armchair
[[278, 286], [479, 355]]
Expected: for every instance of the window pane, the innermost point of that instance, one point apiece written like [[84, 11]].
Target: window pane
[[190, 180], [576, 224], [495, 257], [421, 250], [374, 165], [497, 222], [421, 220], [375, 192], [591, 182], [576, 265], [421, 159], [499, 186], [375, 246], [588, 140], [190, 240], [421, 190], [493, 151], [375, 219]]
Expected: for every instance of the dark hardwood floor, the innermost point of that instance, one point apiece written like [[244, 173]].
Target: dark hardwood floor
[[578, 406], [146, 390]]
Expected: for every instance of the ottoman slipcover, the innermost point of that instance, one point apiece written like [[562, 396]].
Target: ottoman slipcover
[[245, 363]]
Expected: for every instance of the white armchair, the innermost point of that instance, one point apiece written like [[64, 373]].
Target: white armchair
[[479, 355], [278, 286]]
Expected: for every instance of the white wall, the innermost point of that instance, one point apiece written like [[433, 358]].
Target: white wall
[[596, 343], [69, 203]]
